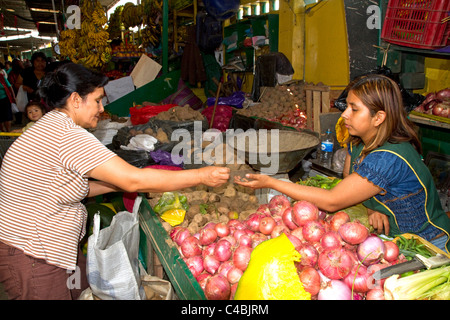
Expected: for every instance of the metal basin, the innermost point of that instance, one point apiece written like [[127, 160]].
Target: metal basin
[[273, 151]]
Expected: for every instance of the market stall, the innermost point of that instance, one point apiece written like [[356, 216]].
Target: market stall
[[184, 112]]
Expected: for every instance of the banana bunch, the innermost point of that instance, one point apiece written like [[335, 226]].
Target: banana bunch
[[99, 17], [132, 15], [114, 24], [67, 43], [151, 35], [89, 44]]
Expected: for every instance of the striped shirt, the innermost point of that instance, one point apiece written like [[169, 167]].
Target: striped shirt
[[42, 181]]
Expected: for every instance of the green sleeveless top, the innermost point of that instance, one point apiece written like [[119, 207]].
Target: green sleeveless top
[[409, 197]]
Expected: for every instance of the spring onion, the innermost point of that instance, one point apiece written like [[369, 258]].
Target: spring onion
[[418, 286]]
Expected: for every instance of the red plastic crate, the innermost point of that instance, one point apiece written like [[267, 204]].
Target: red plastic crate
[[417, 23]]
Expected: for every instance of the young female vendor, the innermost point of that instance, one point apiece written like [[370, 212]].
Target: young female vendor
[[384, 166]]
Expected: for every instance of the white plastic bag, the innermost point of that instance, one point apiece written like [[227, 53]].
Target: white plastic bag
[[113, 257], [21, 99]]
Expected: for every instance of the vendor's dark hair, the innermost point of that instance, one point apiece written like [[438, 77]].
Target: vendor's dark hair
[[57, 86]]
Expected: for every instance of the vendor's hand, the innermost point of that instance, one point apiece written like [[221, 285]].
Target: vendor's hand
[[214, 176], [379, 222], [254, 181]]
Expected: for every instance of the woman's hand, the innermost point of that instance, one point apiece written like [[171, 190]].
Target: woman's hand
[[254, 181], [379, 221], [214, 176]]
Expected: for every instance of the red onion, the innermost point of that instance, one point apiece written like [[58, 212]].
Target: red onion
[[222, 229], [353, 232], [230, 239], [313, 231], [375, 294], [225, 267], [358, 279], [288, 219], [211, 264], [252, 222], [278, 230], [234, 274], [335, 264], [338, 219], [331, 240], [241, 257], [304, 211], [266, 225], [180, 234], [237, 224], [222, 250], [391, 251], [195, 265], [217, 288], [207, 236], [233, 290], [238, 233], [309, 255], [263, 209], [278, 204], [371, 270], [310, 279], [208, 250], [334, 290], [298, 232], [371, 250], [190, 247], [295, 241], [257, 238], [443, 94], [202, 279], [245, 240], [322, 215]]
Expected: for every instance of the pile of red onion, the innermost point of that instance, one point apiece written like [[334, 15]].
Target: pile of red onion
[[338, 256], [436, 103]]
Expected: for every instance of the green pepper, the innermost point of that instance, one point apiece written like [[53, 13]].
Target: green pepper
[[171, 200]]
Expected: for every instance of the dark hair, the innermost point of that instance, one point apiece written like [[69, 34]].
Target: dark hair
[[17, 66], [380, 93], [38, 54], [57, 86]]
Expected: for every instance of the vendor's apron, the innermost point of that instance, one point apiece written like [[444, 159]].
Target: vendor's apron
[[433, 209]]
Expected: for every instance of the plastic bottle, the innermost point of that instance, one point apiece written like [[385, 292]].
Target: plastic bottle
[[326, 147]]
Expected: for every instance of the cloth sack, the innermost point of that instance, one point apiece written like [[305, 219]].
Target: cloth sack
[[21, 99], [113, 257]]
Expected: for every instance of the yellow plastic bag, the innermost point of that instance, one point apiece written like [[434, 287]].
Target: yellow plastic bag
[[271, 273], [174, 216]]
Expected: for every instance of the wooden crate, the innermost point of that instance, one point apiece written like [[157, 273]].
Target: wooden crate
[[318, 101]]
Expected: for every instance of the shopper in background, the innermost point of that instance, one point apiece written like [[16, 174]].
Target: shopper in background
[[6, 98], [13, 77], [32, 76], [384, 168], [49, 170]]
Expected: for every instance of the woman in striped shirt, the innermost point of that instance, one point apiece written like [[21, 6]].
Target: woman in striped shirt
[[48, 171]]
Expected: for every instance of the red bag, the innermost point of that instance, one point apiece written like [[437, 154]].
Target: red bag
[[141, 115]]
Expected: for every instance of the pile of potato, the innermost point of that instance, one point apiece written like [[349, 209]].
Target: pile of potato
[[208, 204], [276, 101], [177, 113]]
